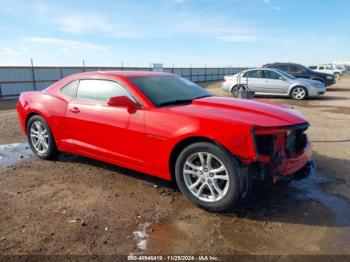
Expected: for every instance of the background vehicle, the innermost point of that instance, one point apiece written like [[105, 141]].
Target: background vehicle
[[169, 127], [341, 68], [328, 69], [301, 71], [264, 81]]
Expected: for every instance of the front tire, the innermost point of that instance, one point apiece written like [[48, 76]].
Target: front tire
[[208, 176], [40, 138], [299, 93]]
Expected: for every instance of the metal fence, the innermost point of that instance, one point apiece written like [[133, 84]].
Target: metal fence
[[17, 79]]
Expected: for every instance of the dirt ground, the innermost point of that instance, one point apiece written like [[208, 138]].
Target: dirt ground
[[80, 206]]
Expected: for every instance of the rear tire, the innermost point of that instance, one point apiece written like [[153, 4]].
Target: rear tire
[[208, 176], [40, 138], [299, 93], [237, 89]]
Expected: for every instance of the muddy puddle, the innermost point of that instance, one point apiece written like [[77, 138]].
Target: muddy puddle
[[251, 227], [12, 153], [310, 188]]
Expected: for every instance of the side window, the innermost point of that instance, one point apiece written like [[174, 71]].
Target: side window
[[100, 90], [321, 68], [271, 75], [70, 89], [250, 74], [313, 67], [283, 67], [253, 74], [295, 69]]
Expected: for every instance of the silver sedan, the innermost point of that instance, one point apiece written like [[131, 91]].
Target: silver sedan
[[264, 81]]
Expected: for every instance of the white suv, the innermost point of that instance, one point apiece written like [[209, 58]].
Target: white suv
[[328, 69]]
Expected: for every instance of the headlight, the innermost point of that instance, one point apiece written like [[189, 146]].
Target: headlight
[[329, 77]]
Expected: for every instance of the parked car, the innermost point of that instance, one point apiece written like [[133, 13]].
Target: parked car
[[301, 71], [169, 127], [328, 69], [265, 81], [341, 68]]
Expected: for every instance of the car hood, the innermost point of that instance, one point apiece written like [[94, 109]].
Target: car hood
[[242, 111]]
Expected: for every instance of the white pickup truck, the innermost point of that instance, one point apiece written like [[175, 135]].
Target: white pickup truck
[[328, 69]]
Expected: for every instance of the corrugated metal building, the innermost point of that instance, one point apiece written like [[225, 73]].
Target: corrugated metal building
[[17, 79]]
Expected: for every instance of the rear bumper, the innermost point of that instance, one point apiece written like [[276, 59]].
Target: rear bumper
[[21, 115], [227, 86], [292, 165]]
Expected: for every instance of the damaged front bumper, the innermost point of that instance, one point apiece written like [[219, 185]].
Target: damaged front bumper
[[280, 151], [291, 165]]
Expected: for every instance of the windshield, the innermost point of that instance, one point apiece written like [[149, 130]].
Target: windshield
[[305, 68], [169, 90], [286, 74]]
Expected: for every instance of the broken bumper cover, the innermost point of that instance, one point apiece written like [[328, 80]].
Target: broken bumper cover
[[292, 165]]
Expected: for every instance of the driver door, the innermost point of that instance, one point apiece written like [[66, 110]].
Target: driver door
[[275, 83], [98, 129]]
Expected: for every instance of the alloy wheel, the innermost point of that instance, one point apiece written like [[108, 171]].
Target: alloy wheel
[[206, 177], [299, 93], [39, 137], [237, 90]]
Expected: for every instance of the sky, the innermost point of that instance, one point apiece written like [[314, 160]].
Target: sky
[[176, 33]]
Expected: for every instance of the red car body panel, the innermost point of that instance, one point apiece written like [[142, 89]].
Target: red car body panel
[[145, 139]]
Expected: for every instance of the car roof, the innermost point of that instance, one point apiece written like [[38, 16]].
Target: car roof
[[260, 68], [125, 74], [285, 63]]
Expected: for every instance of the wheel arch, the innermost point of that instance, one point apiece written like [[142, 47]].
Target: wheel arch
[[234, 85], [182, 144], [319, 79], [36, 113], [29, 116]]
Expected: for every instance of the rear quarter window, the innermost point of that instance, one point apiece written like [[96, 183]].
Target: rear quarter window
[[70, 89]]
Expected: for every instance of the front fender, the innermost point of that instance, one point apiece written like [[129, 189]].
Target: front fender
[[235, 138]]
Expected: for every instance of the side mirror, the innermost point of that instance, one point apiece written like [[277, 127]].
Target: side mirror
[[123, 101], [281, 78]]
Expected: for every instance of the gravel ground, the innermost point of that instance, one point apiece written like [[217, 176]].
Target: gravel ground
[[75, 205]]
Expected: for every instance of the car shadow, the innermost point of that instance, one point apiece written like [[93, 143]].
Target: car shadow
[[288, 99], [338, 89], [66, 157], [305, 201], [325, 98]]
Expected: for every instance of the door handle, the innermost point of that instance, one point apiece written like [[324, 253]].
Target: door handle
[[75, 110]]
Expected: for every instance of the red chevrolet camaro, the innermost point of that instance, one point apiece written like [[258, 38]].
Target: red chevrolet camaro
[[169, 127]]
